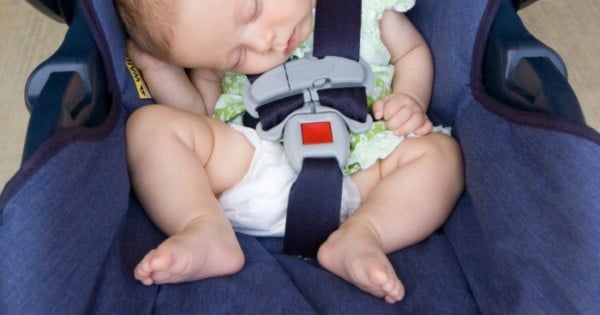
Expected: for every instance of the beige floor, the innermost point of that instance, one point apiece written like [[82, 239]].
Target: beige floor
[[27, 38]]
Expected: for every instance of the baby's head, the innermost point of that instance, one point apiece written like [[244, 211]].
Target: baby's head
[[148, 24], [247, 36]]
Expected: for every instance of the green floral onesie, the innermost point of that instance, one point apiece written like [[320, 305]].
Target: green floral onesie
[[365, 148]]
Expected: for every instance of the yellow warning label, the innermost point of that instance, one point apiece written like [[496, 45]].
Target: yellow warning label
[[138, 80]]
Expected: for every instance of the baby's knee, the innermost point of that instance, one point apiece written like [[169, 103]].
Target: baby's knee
[[440, 153], [150, 127], [445, 152], [434, 146], [146, 120], [447, 163], [155, 122], [446, 148]]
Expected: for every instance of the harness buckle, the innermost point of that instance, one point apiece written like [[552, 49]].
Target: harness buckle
[[312, 130], [315, 135]]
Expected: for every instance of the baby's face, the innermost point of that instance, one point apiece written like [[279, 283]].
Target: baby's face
[[247, 36]]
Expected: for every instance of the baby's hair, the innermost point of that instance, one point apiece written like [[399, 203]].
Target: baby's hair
[[147, 24]]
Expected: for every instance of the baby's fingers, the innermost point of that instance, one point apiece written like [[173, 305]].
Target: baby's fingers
[[424, 129], [397, 120], [143, 60], [379, 107], [414, 122]]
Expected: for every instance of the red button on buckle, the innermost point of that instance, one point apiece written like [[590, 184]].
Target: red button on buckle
[[316, 133]]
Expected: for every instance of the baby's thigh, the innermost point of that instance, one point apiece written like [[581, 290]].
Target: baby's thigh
[[432, 155], [223, 153]]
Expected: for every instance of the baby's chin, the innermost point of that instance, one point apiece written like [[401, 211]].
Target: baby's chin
[[262, 68]]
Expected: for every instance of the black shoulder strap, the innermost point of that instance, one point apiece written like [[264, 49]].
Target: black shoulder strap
[[337, 29], [315, 198]]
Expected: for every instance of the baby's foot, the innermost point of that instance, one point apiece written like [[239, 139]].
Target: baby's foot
[[204, 249], [354, 255]]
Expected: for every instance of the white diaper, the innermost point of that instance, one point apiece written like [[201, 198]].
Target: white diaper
[[257, 204]]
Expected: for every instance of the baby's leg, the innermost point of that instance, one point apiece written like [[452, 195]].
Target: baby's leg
[[179, 162], [406, 197]]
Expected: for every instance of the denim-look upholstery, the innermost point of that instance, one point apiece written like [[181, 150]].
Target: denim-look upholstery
[[523, 238]]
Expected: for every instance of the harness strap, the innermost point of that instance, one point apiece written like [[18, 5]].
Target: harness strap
[[275, 112], [315, 198], [351, 102], [337, 29], [313, 206], [348, 101]]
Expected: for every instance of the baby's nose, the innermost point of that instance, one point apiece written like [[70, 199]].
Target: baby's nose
[[263, 42]]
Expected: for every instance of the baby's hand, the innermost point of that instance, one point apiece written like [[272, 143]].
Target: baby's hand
[[402, 114], [144, 61]]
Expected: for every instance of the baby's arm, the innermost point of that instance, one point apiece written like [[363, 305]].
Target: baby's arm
[[170, 85], [404, 111]]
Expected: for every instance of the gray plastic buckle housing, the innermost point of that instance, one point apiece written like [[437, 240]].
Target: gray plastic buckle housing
[[297, 145], [307, 76]]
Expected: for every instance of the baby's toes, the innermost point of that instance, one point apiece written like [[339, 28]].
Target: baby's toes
[[395, 292]]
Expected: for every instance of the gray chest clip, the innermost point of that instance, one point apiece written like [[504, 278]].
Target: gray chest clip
[[313, 130]]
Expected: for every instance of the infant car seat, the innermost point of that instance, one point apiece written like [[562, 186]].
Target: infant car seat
[[523, 238]]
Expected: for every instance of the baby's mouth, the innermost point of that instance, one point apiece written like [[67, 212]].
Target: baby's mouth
[[292, 42]]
